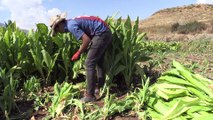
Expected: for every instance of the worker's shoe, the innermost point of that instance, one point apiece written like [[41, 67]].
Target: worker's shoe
[[88, 98]]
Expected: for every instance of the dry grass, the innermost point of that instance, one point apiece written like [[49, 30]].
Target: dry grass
[[161, 22]]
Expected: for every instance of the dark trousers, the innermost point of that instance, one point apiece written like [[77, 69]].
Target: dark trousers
[[95, 59]]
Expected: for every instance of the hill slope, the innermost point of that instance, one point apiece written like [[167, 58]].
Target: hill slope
[[160, 26]]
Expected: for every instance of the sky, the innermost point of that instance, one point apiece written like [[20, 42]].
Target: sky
[[27, 13]]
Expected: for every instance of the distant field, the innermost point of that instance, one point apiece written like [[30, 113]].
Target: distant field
[[197, 55]]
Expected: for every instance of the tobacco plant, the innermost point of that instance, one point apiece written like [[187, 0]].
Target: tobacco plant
[[140, 97], [126, 49], [30, 87], [62, 95], [7, 96]]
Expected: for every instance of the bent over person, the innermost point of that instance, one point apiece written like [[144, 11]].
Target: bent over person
[[92, 31]]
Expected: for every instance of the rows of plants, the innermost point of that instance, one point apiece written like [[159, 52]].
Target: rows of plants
[[31, 62]]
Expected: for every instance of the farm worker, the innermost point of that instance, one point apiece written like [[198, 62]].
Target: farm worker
[[96, 36]]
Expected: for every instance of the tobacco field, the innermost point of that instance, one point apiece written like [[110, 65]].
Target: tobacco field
[[145, 80]]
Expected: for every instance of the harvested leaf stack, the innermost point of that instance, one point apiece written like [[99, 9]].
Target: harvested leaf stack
[[180, 94]]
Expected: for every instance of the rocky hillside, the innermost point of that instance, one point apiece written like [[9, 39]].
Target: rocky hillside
[[180, 23]]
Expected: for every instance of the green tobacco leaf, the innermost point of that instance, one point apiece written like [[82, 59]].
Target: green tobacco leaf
[[195, 92], [42, 28], [38, 61], [180, 107], [196, 108], [174, 80], [189, 76], [47, 58], [172, 72], [135, 27], [140, 37], [54, 60], [201, 78], [168, 94], [204, 117], [7, 38], [56, 89], [128, 23], [158, 105]]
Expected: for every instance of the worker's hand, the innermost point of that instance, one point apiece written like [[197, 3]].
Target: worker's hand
[[76, 56]]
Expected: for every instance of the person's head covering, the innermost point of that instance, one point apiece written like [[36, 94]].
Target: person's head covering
[[57, 19]]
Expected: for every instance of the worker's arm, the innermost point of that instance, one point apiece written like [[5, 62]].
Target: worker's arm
[[85, 42]]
